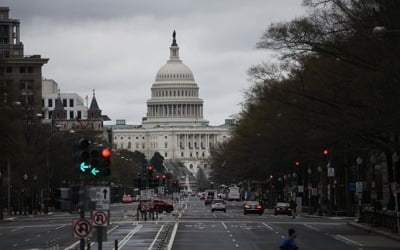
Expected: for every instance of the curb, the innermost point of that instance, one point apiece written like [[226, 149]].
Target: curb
[[380, 232]]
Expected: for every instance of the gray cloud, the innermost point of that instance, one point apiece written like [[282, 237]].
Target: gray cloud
[[118, 46]]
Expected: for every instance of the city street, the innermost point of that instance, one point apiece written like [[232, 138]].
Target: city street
[[197, 228]]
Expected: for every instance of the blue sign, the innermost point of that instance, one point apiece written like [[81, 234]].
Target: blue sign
[[352, 186]]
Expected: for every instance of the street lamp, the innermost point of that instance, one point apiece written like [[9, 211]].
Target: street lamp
[[359, 187], [309, 188], [396, 159]]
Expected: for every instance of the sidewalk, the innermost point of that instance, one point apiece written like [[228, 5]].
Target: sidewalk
[[378, 230]]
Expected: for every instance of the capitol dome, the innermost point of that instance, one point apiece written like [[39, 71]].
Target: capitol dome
[[174, 71], [174, 95]]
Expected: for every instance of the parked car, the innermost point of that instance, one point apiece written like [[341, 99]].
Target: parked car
[[282, 208], [253, 207], [161, 206], [218, 204], [202, 195], [126, 198]]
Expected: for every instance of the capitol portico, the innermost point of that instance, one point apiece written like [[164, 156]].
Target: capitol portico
[[174, 125]]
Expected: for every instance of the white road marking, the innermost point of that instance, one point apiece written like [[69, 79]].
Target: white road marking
[[347, 240], [311, 227], [268, 226], [155, 239], [223, 224], [18, 228], [77, 242], [60, 227], [236, 245], [129, 236], [173, 234]]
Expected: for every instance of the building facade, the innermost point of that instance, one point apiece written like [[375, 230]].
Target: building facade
[[20, 75], [174, 125], [73, 103]]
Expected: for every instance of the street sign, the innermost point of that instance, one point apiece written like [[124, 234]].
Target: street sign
[[99, 218], [314, 192], [100, 195], [81, 228], [331, 172], [359, 186], [352, 186], [147, 194]]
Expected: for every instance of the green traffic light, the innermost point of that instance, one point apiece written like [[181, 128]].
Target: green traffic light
[[95, 171], [84, 166]]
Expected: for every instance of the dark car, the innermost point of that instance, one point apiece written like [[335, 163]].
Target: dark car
[[253, 207], [282, 208], [161, 206]]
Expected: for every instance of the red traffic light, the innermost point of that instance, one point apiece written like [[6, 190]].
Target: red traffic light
[[164, 177], [158, 177], [297, 163], [106, 153], [150, 168], [326, 152]]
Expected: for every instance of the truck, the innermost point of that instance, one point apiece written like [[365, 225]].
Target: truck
[[234, 193]]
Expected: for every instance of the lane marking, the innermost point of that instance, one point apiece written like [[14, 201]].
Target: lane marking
[[155, 239], [347, 240], [173, 234], [313, 228], [129, 236], [18, 228], [223, 224], [268, 226], [72, 246], [60, 227]]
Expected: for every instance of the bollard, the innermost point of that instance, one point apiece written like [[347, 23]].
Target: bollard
[[115, 244]]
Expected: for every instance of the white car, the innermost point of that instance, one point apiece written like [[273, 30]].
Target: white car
[[218, 204]]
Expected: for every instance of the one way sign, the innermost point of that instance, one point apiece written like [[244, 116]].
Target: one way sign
[[101, 195]]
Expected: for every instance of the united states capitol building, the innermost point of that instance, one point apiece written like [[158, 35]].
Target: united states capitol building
[[174, 125]]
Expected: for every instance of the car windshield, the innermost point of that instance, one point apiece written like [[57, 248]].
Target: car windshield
[[219, 201], [282, 204], [252, 203]]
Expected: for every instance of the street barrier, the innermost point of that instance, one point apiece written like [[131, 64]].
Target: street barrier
[[386, 219]]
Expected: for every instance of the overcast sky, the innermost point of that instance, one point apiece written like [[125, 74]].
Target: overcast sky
[[117, 46]]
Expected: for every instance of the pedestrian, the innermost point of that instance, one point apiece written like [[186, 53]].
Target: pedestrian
[[293, 207], [289, 242]]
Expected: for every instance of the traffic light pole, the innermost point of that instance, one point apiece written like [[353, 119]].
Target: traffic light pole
[[82, 208]]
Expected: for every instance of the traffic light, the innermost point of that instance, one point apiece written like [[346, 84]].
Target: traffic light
[[95, 160], [297, 163], [106, 154], [82, 155], [325, 152], [164, 178]]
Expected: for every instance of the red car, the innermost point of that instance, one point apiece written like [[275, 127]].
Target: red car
[[127, 198], [161, 206]]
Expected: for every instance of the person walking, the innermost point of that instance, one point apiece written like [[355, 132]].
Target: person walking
[[293, 206], [289, 242]]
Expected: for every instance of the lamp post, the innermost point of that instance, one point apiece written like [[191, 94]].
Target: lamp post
[[359, 187], [309, 188], [320, 188], [396, 159]]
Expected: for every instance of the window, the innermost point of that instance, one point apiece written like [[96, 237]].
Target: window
[[64, 101], [22, 70], [129, 145], [26, 87], [202, 154], [143, 146], [191, 155], [165, 144], [71, 115], [71, 103], [50, 114], [191, 166], [166, 155], [137, 145], [181, 154], [165, 137], [50, 103], [79, 114], [143, 138], [137, 137], [9, 70]]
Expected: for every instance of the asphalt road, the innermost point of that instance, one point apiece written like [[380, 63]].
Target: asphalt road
[[200, 229], [197, 228]]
